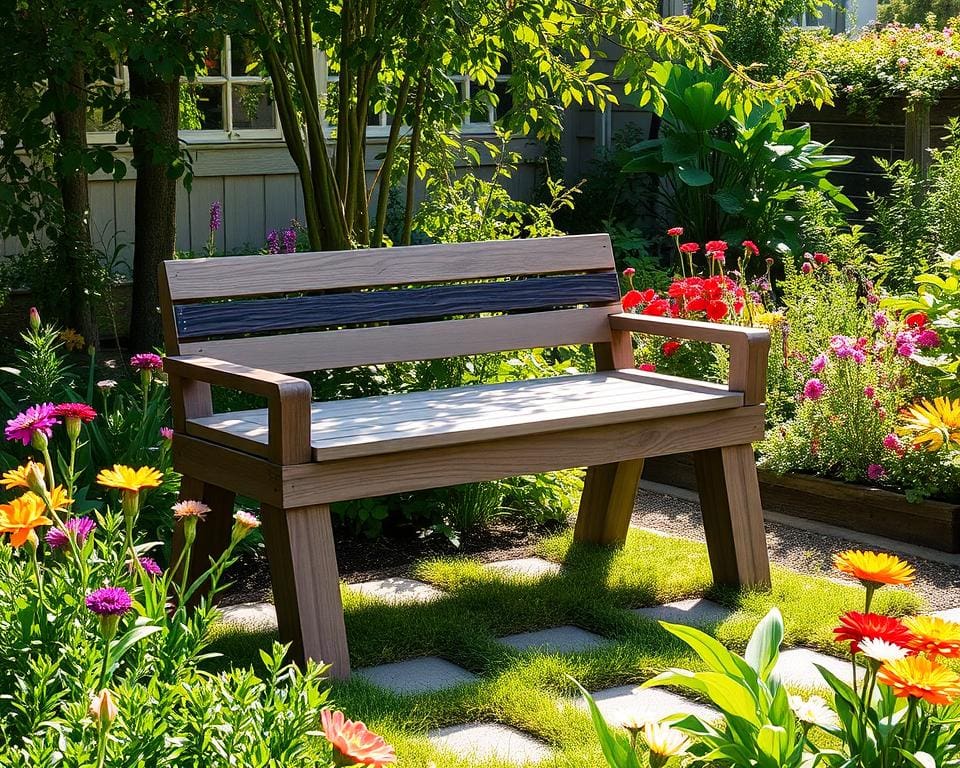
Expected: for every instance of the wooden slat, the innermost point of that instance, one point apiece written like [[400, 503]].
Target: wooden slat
[[262, 275], [345, 479], [446, 417], [425, 341], [237, 318]]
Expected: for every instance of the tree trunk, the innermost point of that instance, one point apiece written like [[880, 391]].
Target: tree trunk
[[74, 246], [155, 206]]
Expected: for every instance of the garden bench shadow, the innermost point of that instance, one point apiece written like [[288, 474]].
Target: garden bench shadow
[[249, 322]]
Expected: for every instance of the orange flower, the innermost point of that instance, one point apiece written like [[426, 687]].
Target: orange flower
[[934, 636], [21, 516], [129, 479], [353, 743], [59, 499], [920, 678], [874, 569], [17, 478]]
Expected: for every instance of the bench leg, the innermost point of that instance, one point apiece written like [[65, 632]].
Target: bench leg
[[609, 492], [213, 533], [306, 585], [732, 515]]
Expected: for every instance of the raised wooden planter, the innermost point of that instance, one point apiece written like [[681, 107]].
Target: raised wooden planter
[[934, 524]]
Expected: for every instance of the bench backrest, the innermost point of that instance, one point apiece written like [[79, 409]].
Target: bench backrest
[[336, 309]]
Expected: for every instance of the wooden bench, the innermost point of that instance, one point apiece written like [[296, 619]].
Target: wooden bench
[[249, 322]]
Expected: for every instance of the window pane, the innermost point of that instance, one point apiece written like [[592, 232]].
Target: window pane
[[243, 60], [252, 107], [506, 99], [211, 62], [479, 104], [209, 109]]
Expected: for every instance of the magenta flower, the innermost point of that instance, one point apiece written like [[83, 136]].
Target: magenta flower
[[273, 241], [876, 472], [109, 601], [892, 443], [806, 267], [818, 363], [149, 565], [216, 216], [906, 349], [928, 338], [880, 320], [869, 391], [79, 411], [166, 433], [147, 361], [290, 241], [36, 419], [813, 389], [81, 527]]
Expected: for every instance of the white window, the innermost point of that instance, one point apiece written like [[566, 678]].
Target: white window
[[830, 16], [227, 101]]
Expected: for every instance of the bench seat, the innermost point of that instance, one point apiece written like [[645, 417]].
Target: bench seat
[[392, 423]]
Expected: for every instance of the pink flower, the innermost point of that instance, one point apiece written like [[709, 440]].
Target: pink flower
[[818, 363], [648, 367], [806, 268], [813, 389], [689, 247], [906, 349], [109, 601], [876, 472], [902, 62], [80, 526], [37, 419], [880, 320], [629, 272], [149, 565], [892, 443], [718, 256], [716, 245], [928, 338], [79, 411], [166, 433], [869, 392], [675, 231], [146, 361], [752, 247]]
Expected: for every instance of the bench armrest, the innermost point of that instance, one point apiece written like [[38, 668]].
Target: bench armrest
[[288, 400], [748, 346]]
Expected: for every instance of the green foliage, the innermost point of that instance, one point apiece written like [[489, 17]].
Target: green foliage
[[918, 11], [727, 170], [762, 33], [889, 60]]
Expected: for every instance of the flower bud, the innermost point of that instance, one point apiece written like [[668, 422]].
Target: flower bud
[[103, 708], [73, 427], [243, 523], [36, 479], [39, 441], [34, 319]]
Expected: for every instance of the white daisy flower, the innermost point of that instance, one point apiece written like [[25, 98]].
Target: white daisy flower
[[814, 711], [881, 650]]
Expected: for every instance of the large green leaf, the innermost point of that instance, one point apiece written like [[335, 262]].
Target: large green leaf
[[693, 176], [730, 201], [728, 693], [764, 646], [701, 104], [678, 147], [615, 746]]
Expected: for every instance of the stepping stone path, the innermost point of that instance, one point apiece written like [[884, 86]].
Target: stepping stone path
[[525, 566], [398, 590], [796, 668], [255, 615], [422, 675], [483, 741], [950, 614], [564, 639], [695, 612], [627, 703]]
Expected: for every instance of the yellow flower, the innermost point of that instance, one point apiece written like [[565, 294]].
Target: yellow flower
[[920, 678], [932, 424], [874, 569], [72, 340], [21, 516], [59, 499], [934, 636], [769, 319], [664, 742], [129, 479], [18, 478], [190, 508]]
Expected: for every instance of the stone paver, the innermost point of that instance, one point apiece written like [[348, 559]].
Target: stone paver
[[398, 590], [525, 566], [950, 614], [631, 702], [483, 741], [564, 639], [250, 614], [695, 612], [429, 673], [796, 668]]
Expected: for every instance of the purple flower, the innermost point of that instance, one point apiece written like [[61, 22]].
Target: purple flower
[[813, 389], [109, 601], [146, 361], [880, 320], [149, 565], [844, 347], [216, 216], [869, 392], [859, 356], [79, 526], [36, 419], [290, 240], [928, 338], [273, 241], [819, 363], [876, 472], [906, 350]]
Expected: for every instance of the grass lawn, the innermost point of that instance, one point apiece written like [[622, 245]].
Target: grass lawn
[[531, 691]]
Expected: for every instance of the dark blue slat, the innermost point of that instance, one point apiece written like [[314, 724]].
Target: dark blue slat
[[263, 315]]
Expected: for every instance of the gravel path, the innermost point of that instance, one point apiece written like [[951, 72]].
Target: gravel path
[[801, 550]]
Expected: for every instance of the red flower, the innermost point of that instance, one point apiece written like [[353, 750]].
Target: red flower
[[717, 310], [916, 320], [80, 411], [689, 247], [353, 743], [669, 347], [631, 299], [718, 256], [648, 367], [657, 308], [675, 231], [855, 627], [752, 247], [821, 258], [716, 245]]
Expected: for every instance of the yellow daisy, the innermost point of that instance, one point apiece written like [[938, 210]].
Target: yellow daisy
[[932, 424], [129, 479]]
